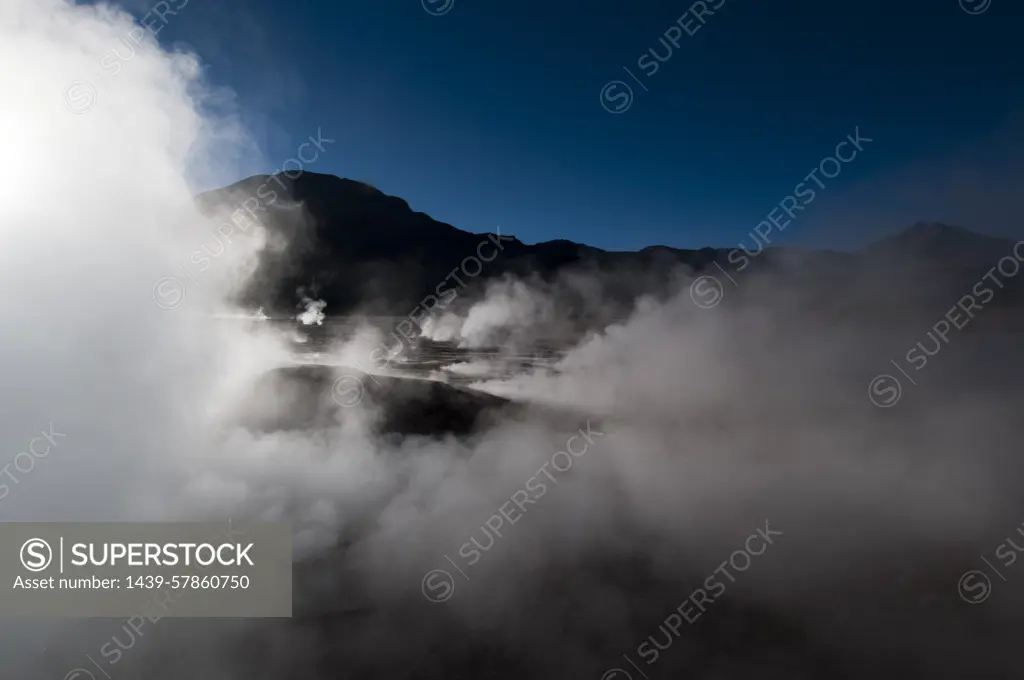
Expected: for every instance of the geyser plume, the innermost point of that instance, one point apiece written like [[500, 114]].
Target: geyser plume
[[313, 312], [508, 307], [113, 361], [128, 360]]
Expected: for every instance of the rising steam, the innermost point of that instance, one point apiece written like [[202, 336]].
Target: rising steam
[[710, 420]]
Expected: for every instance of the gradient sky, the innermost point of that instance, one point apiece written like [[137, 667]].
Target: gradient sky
[[490, 114]]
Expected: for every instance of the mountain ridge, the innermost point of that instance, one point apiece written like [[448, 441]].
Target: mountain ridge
[[359, 248]]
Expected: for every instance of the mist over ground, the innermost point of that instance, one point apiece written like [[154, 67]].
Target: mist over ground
[[551, 520]]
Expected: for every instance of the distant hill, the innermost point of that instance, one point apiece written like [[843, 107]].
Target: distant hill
[[360, 249], [934, 243]]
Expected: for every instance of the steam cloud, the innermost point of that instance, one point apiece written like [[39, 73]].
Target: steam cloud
[[710, 422], [313, 313], [508, 305]]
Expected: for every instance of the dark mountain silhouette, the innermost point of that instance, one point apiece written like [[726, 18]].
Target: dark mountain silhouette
[[352, 245], [360, 249]]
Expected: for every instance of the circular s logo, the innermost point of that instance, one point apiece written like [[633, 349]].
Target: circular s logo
[[168, 293], [79, 97], [440, 584], [975, 6], [706, 291], [974, 587], [437, 8], [347, 391], [36, 554], [884, 391], [616, 96], [79, 674]]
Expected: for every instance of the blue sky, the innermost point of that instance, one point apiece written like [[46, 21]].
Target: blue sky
[[491, 114]]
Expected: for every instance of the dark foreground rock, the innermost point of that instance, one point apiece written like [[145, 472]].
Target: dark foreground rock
[[316, 397]]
